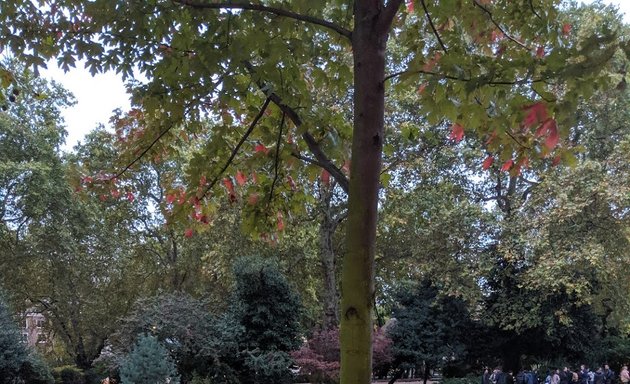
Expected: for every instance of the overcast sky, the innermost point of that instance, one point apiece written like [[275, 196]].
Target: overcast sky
[[98, 96]]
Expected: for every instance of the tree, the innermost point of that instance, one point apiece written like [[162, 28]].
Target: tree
[[502, 71], [13, 352], [429, 329], [182, 324], [148, 363], [267, 311], [17, 363]]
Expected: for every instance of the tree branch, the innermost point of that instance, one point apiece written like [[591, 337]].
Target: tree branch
[[263, 8], [141, 155], [236, 149], [277, 158], [435, 32], [464, 79], [313, 146], [496, 24], [388, 14]]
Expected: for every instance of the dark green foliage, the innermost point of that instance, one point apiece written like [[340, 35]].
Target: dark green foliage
[[615, 350], [36, 371], [148, 363], [182, 323], [265, 322], [17, 363], [268, 308], [13, 353], [69, 374], [428, 327]]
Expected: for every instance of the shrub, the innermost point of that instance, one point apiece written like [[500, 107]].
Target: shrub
[[148, 363], [36, 371], [318, 358], [68, 374]]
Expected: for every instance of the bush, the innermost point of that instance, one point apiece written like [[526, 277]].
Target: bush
[[148, 363], [68, 374], [35, 371], [318, 359]]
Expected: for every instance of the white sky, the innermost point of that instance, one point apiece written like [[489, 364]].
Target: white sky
[[98, 96]]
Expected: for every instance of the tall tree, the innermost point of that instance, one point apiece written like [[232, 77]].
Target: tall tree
[[502, 70]]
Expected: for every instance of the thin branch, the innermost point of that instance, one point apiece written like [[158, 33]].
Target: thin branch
[[516, 140], [531, 5], [141, 155], [322, 160], [307, 159], [496, 24], [273, 10], [277, 158], [464, 79], [388, 14], [236, 149], [435, 32]]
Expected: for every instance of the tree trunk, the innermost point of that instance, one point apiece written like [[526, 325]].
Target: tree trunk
[[327, 259], [357, 284], [427, 373]]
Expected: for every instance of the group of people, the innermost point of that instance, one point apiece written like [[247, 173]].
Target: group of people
[[602, 375]]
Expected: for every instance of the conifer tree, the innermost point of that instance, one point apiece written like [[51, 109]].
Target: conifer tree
[[148, 363]]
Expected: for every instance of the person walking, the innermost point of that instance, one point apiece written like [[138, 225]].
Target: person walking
[[555, 376], [609, 374], [624, 375]]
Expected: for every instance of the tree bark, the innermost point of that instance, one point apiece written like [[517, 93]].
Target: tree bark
[[357, 285], [327, 257]]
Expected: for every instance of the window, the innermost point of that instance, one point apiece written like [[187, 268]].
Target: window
[[25, 338], [40, 323], [41, 338]]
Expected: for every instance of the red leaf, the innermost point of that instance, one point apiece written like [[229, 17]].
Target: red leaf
[[555, 161], [487, 163], [491, 137], [545, 127], [252, 199], [325, 177], [280, 222], [170, 198], [410, 6], [229, 185], [241, 179], [421, 88], [507, 165], [566, 29], [553, 137], [261, 148], [535, 113], [496, 35], [457, 132], [130, 197], [540, 52], [188, 233], [202, 180], [524, 162], [428, 66], [115, 193], [291, 183], [182, 197], [254, 178]]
